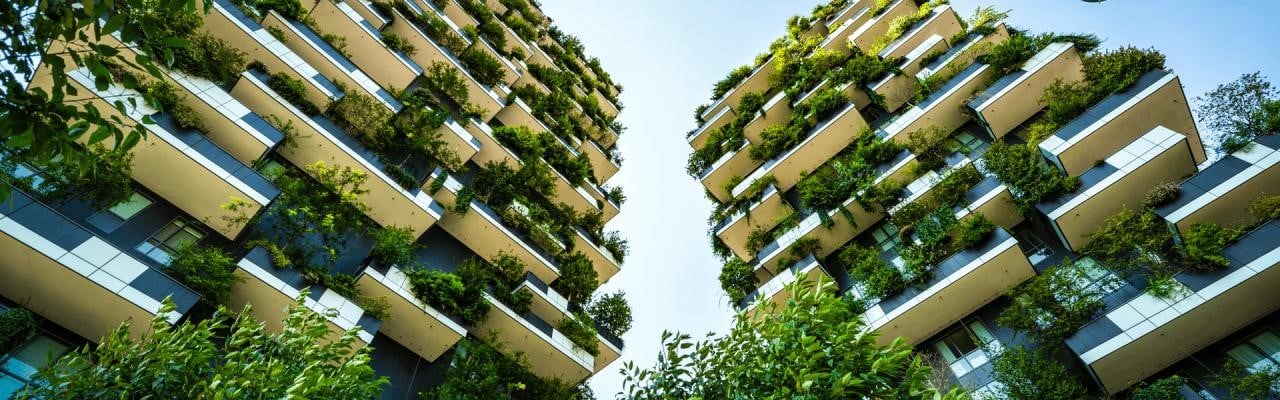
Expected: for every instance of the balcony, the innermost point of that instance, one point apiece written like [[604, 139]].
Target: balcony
[[991, 199], [314, 50], [822, 143], [605, 264], [1120, 182], [942, 21], [482, 230], [77, 279], [228, 22], [849, 20], [429, 52], [518, 113], [509, 70], [413, 324], [756, 82], [962, 53], [869, 32], [776, 111], [899, 88], [943, 108], [272, 290], [181, 165], [539, 56], [609, 109], [603, 166], [1133, 340], [959, 285], [319, 139], [1219, 193], [548, 305], [762, 215], [610, 208], [234, 127], [731, 165], [699, 136], [775, 290], [388, 67], [1014, 98], [1155, 100], [491, 150], [557, 356]]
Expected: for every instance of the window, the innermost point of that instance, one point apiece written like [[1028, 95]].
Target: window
[[886, 237], [128, 208], [965, 347], [178, 233], [963, 142], [1092, 275], [1035, 249], [17, 368], [1259, 352], [272, 169]]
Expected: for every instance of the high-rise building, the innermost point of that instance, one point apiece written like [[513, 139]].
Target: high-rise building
[[972, 188], [433, 171]]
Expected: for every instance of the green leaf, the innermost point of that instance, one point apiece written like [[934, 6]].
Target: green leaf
[[100, 134]]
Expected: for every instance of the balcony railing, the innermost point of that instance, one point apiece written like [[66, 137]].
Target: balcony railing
[[1117, 347], [70, 275], [482, 230], [1218, 193], [1014, 98], [272, 290], [822, 143], [414, 324]]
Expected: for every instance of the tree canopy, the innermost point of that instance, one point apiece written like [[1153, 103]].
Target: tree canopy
[[814, 347]]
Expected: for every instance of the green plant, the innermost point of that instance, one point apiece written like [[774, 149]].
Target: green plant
[[1053, 305], [16, 326], [486, 69], [581, 331], [169, 101], [338, 42], [578, 278], [1265, 207], [1167, 388], [293, 91], [1204, 243], [479, 370], [278, 34], [207, 270], [399, 44], [1240, 110], [611, 312], [1027, 374], [210, 58], [97, 175], [1248, 383], [878, 279], [446, 292], [973, 231], [222, 356], [813, 347], [1022, 168], [1161, 194], [1132, 242], [393, 245], [737, 278], [364, 117], [736, 76], [780, 138]]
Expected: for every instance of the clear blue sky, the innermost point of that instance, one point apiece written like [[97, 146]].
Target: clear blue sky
[[667, 54]]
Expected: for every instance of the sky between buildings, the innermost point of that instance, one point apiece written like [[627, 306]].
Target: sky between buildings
[[668, 53]]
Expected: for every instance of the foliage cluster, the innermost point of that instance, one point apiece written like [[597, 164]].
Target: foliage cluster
[[16, 326], [849, 173], [1035, 374], [728, 137], [1053, 305], [580, 330], [779, 138], [611, 312], [293, 91], [479, 370], [1023, 170], [208, 270]]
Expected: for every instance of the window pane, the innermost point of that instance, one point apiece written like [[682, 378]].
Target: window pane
[[962, 341], [131, 207], [981, 332], [9, 386], [945, 351], [1269, 343], [34, 355], [1248, 356]]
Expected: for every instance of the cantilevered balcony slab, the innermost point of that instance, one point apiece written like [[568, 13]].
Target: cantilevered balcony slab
[[609, 207], [963, 53], [731, 165], [991, 199], [602, 260], [1014, 98], [548, 305], [228, 22], [898, 88], [518, 113], [319, 139], [609, 109], [454, 12], [958, 286], [1132, 341], [823, 142], [388, 67], [775, 293], [761, 215], [272, 290], [1119, 183], [429, 52], [414, 324], [871, 31], [1220, 193], [776, 111], [482, 230], [1156, 99], [602, 165], [942, 109], [714, 122], [756, 82], [557, 356], [237, 129], [491, 150], [181, 165], [510, 72], [540, 57], [76, 279], [942, 21], [313, 49], [844, 24]]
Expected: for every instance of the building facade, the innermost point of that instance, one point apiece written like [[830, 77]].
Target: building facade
[[940, 169], [356, 153]]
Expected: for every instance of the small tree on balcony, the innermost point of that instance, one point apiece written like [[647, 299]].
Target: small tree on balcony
[[815, 347]]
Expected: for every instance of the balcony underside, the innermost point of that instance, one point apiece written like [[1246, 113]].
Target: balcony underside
[[414, 325]]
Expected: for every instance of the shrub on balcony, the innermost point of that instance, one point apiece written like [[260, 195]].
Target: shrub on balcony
[[489, 27], [479, 370], [900, 25], [1246, 382], [110, 183], [1053, 305], [398, 44], [291, 9], [973, 231], [210, 58], [393, 245], [292, 91], [578, 278], [1204, 243], [1163, 389], [207, 270], [1132, 242], [170, 102], [737, 278], [364, 117], [1265, 207], [611, 312], [435, 27], [521, 26], [807, 115], [531, 146], [581, 331], [877, 279], [447, 293], [1161, 194], [483, 67], [16, 326], [847, 174], [446, 82], [727, 138], [1023, 169], [1035, 374], [736, 76], [312, 217]]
